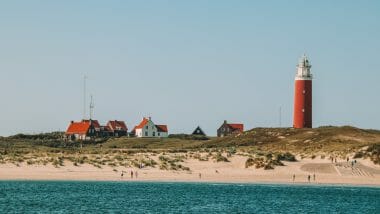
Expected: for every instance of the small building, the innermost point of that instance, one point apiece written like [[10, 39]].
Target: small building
[[106, 131], [95, 124], [83, 130], [117, 128], [230, 128], [147, 128], [199, 131]]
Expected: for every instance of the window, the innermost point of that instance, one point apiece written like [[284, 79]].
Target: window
[[158, 133], [154, 134], [146, 133]]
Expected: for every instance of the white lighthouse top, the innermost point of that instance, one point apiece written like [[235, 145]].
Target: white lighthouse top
[[304, 69]]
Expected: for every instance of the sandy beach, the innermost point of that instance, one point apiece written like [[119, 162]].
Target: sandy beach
[[363, 173]]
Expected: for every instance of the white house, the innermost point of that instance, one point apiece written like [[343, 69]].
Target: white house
[[147, 128]]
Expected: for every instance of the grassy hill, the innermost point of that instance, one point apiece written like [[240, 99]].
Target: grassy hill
[[318, 142], [344, 139], [323, 139]]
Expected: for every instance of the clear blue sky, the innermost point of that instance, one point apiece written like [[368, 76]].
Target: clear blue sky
[[186, 63]]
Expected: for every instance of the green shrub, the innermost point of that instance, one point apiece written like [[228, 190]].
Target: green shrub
[[249, 162], [149, 163], [359, 154], [163, 158], [220, 158], [188, 137], [286, 157], [268, 167]]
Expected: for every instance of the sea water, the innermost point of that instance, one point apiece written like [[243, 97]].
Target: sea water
[[152, 197]]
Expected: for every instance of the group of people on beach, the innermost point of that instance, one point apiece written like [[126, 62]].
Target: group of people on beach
[[353, 163], [308, 178], [135, 174], [334, 159]]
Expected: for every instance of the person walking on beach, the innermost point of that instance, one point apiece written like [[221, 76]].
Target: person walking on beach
[[131, 174], [314, 176], [200, 175], [294, 177], [308, 178], [122, 174]]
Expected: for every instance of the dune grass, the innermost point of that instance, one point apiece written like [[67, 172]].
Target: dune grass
[[258, 142]]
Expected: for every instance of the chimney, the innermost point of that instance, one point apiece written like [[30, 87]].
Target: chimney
[[225, 121], [72, 122]]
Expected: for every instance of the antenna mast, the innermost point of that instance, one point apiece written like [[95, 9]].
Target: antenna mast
[[84, 97], [92, 106]]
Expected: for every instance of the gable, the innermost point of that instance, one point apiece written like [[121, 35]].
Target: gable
[[198, 131], [117, 125], [78, 127]]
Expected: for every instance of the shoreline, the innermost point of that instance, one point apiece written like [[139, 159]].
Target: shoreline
[[304, 184]]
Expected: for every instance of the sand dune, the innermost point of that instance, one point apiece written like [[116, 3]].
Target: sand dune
[[363, 173]]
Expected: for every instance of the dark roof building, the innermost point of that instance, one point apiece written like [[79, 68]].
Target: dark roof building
[[117, 128], [230, 128], [199, 131]]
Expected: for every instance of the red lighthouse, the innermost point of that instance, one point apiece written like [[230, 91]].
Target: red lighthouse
[[303, 95]]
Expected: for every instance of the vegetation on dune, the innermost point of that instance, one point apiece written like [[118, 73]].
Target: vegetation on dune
[[267, 147], [286, 157], [269, 161], [220, 158], [172, 163], [372, 152], [42, 136], [188, 137]]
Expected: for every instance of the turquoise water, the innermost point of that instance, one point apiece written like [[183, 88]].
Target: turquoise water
[[144, 197]]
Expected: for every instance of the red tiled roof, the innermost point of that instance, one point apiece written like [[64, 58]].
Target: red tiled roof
[[78, 127], [117, 125], [142, 124], [238, 127], [162, 128]]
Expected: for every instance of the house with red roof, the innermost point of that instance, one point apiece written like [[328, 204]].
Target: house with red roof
[[147, 128], [230, 128], [83, 130], [117, 128]]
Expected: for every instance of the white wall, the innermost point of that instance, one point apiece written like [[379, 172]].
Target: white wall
[[163, 134], [150, 130]]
